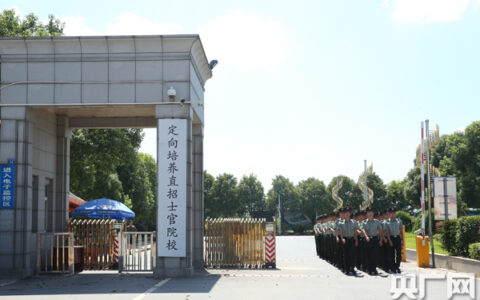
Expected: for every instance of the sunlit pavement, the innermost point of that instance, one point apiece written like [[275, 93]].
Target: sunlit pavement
[[300, 274]]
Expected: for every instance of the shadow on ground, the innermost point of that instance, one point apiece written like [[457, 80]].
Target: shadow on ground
[[108, 283]]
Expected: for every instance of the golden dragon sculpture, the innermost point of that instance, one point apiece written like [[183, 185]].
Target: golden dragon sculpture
[[335, 196], [362, 183], [434, 140]]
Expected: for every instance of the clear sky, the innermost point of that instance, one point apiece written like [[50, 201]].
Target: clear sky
[[311, 88]]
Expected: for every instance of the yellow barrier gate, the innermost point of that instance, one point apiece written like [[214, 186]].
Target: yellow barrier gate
[[96, 237], [234, 243]]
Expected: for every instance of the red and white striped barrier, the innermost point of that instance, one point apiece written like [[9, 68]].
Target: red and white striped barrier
[[115, 249], [270, 255]]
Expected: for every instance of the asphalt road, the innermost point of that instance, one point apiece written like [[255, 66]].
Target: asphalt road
[[300, 274]]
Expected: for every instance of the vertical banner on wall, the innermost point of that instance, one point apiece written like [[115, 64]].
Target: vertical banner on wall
[[7, 185], [172, 187]]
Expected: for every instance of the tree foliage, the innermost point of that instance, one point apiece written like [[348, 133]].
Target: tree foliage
[[396, 194], [288, 196], [95, 155], [313, 198], [380, 200], [223, 201], [250, 195], [350, 193], [106, 163], [12, 25]]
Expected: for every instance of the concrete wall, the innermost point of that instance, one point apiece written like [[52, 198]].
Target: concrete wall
[[44, 164], [459, 264], [16, 247], [31, 137]]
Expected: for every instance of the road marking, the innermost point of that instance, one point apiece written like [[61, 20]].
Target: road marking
[[275, 275], [7, 283], [141, 296]]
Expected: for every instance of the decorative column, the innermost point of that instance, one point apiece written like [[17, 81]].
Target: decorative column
[[174, 191]]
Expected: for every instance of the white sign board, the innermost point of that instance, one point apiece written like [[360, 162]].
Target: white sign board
[[172, 187], [445, 197]]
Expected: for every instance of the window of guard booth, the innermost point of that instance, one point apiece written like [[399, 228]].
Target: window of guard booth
[[49, 205]]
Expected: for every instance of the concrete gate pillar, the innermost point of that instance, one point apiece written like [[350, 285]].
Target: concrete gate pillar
[[175, 213], [17, 242], [198, 218], [60, 208]]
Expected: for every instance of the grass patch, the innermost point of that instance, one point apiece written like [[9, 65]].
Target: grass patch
[[410, 240]]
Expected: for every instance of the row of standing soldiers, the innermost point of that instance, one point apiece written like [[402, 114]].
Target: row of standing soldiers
[[364, 239]]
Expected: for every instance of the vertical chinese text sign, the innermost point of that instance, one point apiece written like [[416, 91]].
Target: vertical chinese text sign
[[172, 187], [7, 186]]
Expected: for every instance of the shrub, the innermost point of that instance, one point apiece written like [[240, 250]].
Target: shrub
[[467, 233], [418, 222], [407, 220], [448, 236], [298, 228], [474, 251]]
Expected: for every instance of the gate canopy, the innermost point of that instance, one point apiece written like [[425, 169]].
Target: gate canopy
[[104, 208]]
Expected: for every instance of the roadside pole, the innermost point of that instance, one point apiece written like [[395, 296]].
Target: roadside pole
[[429, 199], [279, 215], [422, 181]]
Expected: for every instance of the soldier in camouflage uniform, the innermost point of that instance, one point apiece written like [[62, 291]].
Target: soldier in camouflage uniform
[[349, 240], [373, 233], [361, 249], [395, 240], [382, 249], [338, 245]]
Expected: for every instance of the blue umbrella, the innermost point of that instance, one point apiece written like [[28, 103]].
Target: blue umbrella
[[104, 209]]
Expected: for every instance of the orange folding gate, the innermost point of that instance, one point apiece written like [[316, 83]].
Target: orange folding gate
[[97, 237], [234, 243]]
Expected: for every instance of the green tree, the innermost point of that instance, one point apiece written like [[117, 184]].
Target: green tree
[[466, 158], [379, 189], [412, 187], [396, 194], [313, 198], [224, 195], [288, 196], [139, 179], [95, 155], [209, 204], [350, 193], [251, 195], [11, 25]]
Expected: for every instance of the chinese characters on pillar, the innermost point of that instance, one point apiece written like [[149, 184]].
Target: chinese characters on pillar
[[172, 187], [7, 185]]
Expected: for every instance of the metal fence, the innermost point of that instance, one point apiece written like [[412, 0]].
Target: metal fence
[[138, 251], [55, 252], [234, 243], [96, 236]]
